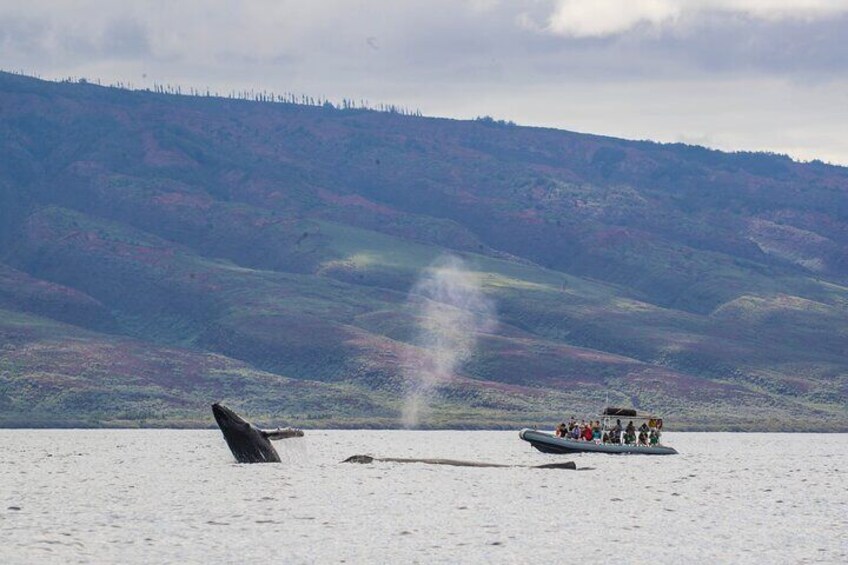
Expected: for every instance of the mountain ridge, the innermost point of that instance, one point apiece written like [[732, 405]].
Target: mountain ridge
[[285, 238]]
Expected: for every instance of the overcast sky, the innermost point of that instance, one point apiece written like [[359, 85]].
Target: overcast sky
[[732, 74]]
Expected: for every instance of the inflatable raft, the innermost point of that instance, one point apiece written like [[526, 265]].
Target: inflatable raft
[[547, 442]]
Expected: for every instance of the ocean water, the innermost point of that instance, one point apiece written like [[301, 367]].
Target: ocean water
[[155, 496]]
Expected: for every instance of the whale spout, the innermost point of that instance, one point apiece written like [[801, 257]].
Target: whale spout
[[248, 443]]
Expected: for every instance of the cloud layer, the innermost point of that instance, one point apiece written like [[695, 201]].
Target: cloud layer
[[599, 18], [737, 74]]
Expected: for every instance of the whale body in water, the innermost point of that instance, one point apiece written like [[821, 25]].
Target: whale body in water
[[249, 443]]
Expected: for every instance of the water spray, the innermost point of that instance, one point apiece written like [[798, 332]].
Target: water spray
[[451, 311]]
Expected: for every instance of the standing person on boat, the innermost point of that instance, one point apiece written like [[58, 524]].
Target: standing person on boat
[[630, 434], [643, 433], [615, 435], [655, 437]]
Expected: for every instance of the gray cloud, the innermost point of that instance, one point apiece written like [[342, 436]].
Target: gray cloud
[[747, 74], [125, 38], [728, 43]]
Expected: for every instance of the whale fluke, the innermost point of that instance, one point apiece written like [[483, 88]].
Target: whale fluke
[[248, 443]]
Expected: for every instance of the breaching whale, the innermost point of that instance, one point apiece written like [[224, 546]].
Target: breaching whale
[[248, 443]]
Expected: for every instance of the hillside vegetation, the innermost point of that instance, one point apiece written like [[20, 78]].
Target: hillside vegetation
[[161, 252]]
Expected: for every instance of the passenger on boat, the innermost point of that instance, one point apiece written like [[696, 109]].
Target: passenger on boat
[[643, 427], [643, 436], [615, 434], [630, 434], [596, 430], [587, 433], [575, 432], [655, 437], [561, 430]]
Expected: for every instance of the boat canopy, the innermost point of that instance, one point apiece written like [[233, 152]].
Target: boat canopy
[[629, 413]]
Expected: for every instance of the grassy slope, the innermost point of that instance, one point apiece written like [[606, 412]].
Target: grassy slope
[[320, 328], [53, 374], [279, 243]]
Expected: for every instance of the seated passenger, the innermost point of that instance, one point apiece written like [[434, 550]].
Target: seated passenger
[[643, 437], [655, 437], [560, 430], [588, 435], [596, 430], [575, 432]]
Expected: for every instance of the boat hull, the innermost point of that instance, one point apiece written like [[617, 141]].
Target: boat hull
[[546, 442]]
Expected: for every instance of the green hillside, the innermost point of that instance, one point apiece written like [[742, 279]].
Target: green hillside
[[161, 252]]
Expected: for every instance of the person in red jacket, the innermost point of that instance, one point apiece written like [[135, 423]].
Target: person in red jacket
[[587, 433]]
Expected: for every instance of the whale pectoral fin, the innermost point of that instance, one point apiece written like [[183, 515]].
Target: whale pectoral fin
[[280, 433], [365, 459]]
